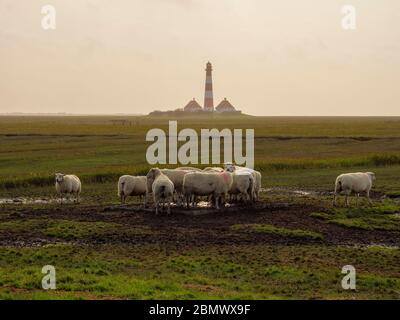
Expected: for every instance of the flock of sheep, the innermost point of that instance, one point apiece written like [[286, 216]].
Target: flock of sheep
[[186, 185], [183, 185]]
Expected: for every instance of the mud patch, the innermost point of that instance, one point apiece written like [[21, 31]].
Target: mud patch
[[182, 229], [21, 200]]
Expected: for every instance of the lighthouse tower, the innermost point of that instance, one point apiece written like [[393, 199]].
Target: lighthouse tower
[[208, 94]]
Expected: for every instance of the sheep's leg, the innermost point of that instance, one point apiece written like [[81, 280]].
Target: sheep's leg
[[145, 200], [223, 199], [216, 201], [156, 205], [346, 200], [187, 199], [77, 197], [169, 207], [193, 199], [179, 200]]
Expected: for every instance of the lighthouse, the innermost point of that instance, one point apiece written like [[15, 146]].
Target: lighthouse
[[208, 94]]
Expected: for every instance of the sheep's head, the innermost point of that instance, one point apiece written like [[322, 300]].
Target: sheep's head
[[151, 176], [230, 167], [59, 177], [372, 175]]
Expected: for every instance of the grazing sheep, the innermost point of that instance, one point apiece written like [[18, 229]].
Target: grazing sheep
[[256, 174], [176, 176], [132, 186], [162, 189], [354, 182], [243, 185], [68, 184], [215, 184]]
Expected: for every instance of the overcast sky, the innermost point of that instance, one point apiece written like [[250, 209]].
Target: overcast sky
[[281, 57]]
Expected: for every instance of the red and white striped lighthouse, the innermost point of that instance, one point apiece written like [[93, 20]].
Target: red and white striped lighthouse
[[208, 94]]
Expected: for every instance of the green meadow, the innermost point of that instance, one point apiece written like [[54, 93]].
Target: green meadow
[[293, 254], [288, 150]]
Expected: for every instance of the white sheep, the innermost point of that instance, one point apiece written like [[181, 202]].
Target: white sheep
[[256, 174], [354, 182], [132, 186], [242, 186], [213, 169], [162, 189], [176, 176], [68, 184], [188, 168], [215, 184]]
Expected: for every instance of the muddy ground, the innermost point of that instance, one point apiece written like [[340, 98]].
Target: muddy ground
[[184, 229]]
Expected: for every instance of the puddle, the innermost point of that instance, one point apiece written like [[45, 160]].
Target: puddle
[[203, 204], [300, 193], [22, 200]]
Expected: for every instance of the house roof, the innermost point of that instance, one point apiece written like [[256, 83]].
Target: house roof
[[192, 106], [225, 105]]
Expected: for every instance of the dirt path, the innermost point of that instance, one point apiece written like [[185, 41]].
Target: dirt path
[[180, 229]]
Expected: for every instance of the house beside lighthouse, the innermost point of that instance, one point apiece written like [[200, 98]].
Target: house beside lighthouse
[[195, 108]]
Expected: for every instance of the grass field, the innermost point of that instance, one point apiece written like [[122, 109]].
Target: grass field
[[286, 253]]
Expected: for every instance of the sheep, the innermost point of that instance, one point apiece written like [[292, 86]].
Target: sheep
[[354, 182], [132, 186], [176, 176], [243, 185], [213, 169], [215, 184], [188, 168], [162, 189], [256, 174], [68, 184]]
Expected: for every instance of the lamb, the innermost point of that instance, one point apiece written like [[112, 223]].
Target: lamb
[[68, 184], [354, 182], [256, 174], [132, 186], [162, 189], [215, 184], [243, 185]]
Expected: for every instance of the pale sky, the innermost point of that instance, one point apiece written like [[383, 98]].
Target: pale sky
[[281, 57]]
